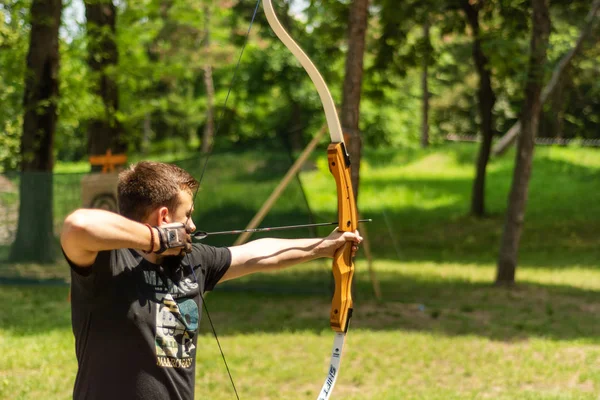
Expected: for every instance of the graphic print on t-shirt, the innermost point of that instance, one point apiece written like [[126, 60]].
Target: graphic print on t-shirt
[[176, 325]]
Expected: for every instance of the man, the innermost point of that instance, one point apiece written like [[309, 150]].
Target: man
[[137, 283]]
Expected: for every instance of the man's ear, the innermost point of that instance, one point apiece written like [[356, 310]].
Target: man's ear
[[163, 215]]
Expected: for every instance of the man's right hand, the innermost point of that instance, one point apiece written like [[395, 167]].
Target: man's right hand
[[173, 239]]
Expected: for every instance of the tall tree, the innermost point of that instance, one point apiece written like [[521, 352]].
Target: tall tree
[[515, 216], [357, 30], [104, 131], [35, 238], [486, 99]]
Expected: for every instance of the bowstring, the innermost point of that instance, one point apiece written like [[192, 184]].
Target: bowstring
[[203, 170]]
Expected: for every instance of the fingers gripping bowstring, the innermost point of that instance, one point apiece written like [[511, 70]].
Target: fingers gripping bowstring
[[203, 170]]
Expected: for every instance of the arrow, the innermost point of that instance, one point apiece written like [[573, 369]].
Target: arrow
[[202, 235]]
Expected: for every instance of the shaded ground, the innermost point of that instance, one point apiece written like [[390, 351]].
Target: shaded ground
[[414, 301]]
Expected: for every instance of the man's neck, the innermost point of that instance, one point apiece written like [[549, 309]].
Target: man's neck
[[152, 257]]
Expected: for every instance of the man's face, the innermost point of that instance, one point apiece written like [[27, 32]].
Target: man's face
[[183, 212]]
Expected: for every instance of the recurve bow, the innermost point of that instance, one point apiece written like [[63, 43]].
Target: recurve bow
[[339, 165]]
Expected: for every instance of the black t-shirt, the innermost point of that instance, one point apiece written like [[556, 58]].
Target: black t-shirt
[[135, 323]]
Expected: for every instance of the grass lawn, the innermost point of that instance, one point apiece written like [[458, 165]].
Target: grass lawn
[[442, 330]]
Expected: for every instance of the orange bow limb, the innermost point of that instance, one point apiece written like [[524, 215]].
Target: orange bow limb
[[343, 265], [341, 304]]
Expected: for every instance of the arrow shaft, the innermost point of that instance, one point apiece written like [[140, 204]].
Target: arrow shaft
[[202, 235]]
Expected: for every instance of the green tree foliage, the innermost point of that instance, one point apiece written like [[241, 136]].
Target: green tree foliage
[[75, 102], [163, 95], [160, 71], [504, 30], [577, 100], [14, 36]]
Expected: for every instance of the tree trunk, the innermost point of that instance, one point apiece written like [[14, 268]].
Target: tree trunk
[[589, 26], [104, 131], [486, 100], [425, 90], [357, 29], [515, 216], [35, 234], [209, 127]]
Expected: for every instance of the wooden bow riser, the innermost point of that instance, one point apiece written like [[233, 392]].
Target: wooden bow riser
[[343, 265]]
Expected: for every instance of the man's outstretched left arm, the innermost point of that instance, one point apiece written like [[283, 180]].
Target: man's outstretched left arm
[[272, 254]]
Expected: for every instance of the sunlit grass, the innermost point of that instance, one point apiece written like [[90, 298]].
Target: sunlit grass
[[442, 331]]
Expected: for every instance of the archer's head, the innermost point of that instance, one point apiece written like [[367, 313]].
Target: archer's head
[[156, 193]]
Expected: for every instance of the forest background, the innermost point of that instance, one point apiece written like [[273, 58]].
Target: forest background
[[147, 77], [164, 48], [151, 79]]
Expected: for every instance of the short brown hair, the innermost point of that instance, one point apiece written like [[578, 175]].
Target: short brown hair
[[148, 185]]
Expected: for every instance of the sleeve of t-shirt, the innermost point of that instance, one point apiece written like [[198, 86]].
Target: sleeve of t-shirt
[[213, 261], [86, 278]]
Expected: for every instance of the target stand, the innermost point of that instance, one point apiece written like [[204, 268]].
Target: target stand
[[99, 190]]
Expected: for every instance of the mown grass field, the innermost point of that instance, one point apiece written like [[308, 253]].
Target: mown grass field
[[442, 331]]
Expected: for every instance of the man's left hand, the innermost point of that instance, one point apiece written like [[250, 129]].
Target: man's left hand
[[337, 239]]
